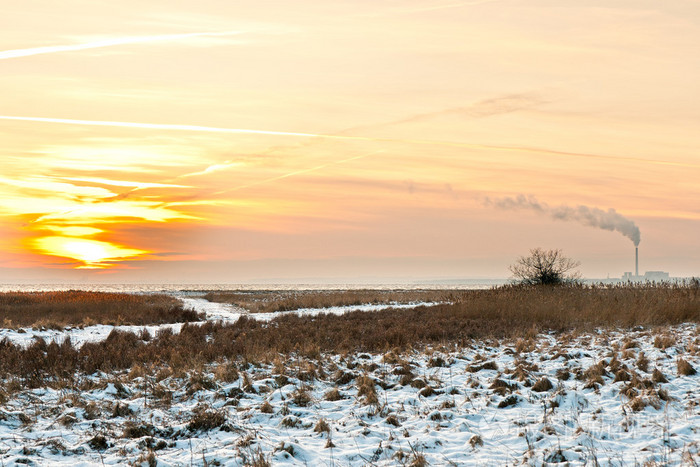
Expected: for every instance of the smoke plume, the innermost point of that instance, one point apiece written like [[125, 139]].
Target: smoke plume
[[593, 217]]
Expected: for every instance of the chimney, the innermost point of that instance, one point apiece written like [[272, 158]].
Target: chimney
[[636, 261]]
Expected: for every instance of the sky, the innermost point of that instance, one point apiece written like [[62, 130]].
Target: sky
[[364, 141]]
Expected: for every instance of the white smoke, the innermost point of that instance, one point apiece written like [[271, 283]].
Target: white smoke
[[593, 217]]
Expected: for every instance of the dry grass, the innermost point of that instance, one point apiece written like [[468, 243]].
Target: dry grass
[[542, 385], [506, 312], [685, 368], [73, 308], [263, 301]]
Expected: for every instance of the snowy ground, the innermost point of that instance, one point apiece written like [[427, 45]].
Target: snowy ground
[[459, 406]]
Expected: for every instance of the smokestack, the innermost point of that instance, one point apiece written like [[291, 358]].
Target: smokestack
[[636, 261]]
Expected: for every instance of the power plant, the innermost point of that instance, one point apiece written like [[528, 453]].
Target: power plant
[[649, 276]]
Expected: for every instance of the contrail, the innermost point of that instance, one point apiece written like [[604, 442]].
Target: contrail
[[16, 53], [297, 172], [209, 129], [592, 217]]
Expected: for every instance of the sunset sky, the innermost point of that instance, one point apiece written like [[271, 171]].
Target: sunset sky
[[217, 141]]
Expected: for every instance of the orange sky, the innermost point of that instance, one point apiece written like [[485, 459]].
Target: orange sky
[[240, 141]]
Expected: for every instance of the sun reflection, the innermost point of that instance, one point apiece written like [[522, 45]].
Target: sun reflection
[[94, 254]]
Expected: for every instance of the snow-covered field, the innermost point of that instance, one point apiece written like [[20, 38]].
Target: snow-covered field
[[486, 404]]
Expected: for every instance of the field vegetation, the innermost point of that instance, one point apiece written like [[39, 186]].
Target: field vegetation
[[56, 310], [589, 375], [266, 301], [514, 312]]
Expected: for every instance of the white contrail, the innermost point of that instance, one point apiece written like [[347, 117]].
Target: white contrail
[[160, 126], [210, 129], [16, 53], [298, 172]]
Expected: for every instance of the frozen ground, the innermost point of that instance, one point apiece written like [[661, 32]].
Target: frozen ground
[[486, 404]]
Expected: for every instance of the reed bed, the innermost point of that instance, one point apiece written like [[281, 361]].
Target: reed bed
[[265, 301], [506, 312], [56, 310]]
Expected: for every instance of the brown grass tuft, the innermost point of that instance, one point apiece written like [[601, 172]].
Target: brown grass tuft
[[658, 377], [393, 420], [476, 441], [664, 341], [205, 419], [685, 368], [366, 388], [333, 395], [301, 397], [642, 362], [542, 385], [322, 427], [266, 407]]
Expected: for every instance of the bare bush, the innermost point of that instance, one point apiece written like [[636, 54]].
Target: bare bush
[[544, 267]]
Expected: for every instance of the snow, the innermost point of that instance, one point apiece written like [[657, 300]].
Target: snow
[[461, 424]]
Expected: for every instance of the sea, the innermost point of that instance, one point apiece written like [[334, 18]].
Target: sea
[[186, 289]]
